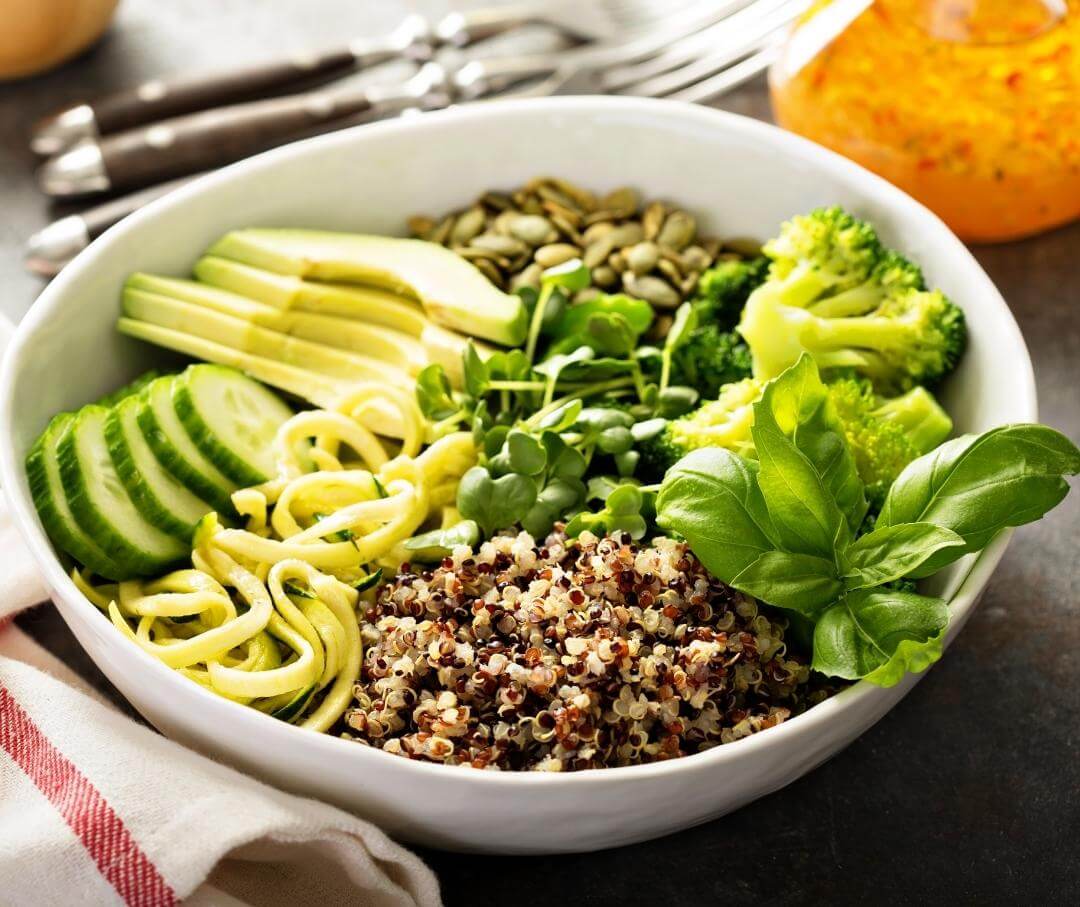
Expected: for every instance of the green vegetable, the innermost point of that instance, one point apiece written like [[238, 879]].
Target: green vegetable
[[835, 292], [572, 276], [883, 434], [709, 359], [609, 325], [495, 503], [621, 513], [784, 530], [976, 486], [723, 290], [431, 547]]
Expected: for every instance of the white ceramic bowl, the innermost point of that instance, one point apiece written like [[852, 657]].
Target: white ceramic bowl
[[739, 176]]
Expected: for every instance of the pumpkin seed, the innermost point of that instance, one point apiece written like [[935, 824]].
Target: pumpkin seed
[[653, 219], [652, 289], [442, 232], [743, 246], [617, 262], [420, 226], [596, 231], [552, 195], [490, 272], [623, 202], [475, 254], [605, 276], [586, 295], [501, 224], [555, 254], [711, 245], [533, 229], [503, 245], [529, 277], [642, 258], [658, 330], [567, 228], [496, 201], [689, 285], [597, 251], [469, 225], [628, 234], [678, 231], [583, 198], [696, 258]]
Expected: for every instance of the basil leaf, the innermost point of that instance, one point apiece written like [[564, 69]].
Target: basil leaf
[[433, 546], [797, 403], [805, 516], [798, 582], [495, 503], [879, 636], [433, 393], [978, 485], [710, 498], [892, 552]]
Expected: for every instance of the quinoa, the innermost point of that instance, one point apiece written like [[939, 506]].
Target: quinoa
[[570, 655]]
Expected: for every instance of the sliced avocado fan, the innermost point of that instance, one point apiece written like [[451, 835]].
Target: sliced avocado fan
[[453, 292]]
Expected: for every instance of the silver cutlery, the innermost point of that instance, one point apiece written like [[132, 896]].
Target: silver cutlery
[[694, 58], [415, 38]]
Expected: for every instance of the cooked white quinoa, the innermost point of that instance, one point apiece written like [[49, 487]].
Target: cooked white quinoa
[[570, 655]]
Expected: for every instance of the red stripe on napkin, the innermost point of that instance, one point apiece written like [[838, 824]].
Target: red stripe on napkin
[[102, 832]]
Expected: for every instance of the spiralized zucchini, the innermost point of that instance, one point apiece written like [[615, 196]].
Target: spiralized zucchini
[[267, 614]]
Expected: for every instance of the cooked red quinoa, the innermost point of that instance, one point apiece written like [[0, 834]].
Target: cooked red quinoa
[[573, 655]]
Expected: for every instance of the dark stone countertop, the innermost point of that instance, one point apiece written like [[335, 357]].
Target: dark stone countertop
[[968, 792]]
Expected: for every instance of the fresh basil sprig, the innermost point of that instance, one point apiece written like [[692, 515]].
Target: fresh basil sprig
[[784, 529]]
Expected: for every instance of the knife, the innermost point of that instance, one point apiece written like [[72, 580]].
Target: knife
[[415, 38], [52, 247], [210, 138]]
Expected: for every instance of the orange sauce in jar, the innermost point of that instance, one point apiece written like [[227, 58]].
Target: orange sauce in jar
[[971, 106]]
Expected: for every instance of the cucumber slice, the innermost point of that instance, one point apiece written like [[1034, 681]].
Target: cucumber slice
[[130, 389], [232, 420], [47, 490], [102, 506], [155, 491], [177, 452]]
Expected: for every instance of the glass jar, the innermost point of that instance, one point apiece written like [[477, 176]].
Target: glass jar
[[971, 106]]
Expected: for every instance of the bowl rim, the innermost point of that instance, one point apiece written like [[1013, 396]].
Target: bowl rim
[[244, 720]]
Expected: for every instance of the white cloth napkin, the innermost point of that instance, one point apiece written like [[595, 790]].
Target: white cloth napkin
[[96, 809]]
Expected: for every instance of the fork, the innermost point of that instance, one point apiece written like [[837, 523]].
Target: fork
[[209, 138], [415, 38]]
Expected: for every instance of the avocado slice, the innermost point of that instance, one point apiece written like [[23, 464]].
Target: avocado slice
[[453, 292], [245, 337], [390, 346], [286, 292], [318, 389]]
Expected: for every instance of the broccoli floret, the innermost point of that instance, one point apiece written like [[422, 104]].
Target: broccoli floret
[[878, 439], [723, 422], [884, 434], [709, 359], [835, 292], [722, 290]]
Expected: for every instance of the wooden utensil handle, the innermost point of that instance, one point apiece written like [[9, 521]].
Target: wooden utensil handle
[[210, 138], [161, 98]]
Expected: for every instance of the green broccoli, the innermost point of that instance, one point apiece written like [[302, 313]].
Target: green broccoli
[[835, 292], [884, 434], [723, 422], [877, 431], [713, 355], [710, 358], [723, 289]]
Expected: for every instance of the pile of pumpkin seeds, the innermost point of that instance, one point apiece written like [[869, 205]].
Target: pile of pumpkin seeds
[[649, 250]]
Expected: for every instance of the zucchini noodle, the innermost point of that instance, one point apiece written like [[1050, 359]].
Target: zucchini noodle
[[267, 614]]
